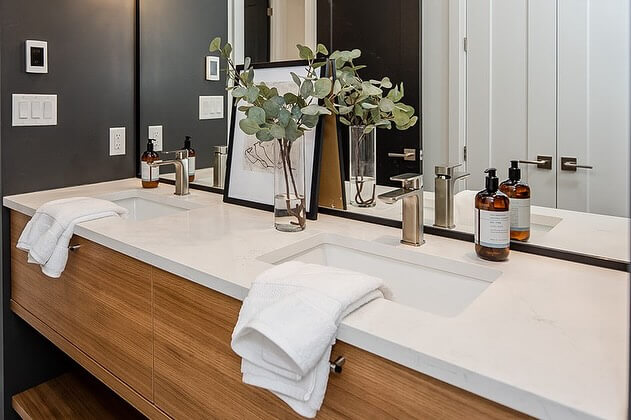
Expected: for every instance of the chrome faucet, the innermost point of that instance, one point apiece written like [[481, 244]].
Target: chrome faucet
[[446, 177], [181, 170], [412, 197]]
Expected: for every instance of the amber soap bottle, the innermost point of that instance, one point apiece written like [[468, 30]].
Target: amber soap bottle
[[150, 176], [519, 194], [492, 221], [191, 159]]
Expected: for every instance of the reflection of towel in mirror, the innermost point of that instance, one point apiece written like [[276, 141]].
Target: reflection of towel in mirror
[[288, 323], [47, 235]]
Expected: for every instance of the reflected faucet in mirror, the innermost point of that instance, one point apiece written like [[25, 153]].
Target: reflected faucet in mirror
[[411, 195], [444, 183], [181, 170]]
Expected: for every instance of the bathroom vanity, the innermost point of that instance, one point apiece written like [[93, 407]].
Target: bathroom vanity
[[148, 304]]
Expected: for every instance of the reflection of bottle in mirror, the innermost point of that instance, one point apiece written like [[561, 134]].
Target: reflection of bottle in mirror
[[191, 159], [492, 221], [148, 174], [519, 194]]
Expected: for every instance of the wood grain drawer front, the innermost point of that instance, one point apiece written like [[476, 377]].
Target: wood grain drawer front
[[196, 374], [101, 304]]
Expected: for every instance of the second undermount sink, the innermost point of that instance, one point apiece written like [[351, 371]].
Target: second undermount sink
[[433, 284], [144, 206]]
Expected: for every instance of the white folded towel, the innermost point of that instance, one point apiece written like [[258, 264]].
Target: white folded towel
[[47, 235], [288, 323]]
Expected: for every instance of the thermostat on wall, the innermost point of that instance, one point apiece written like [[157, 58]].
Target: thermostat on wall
[[212, 68], [36, 56]]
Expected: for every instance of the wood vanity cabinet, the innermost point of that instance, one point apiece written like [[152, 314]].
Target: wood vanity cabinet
[[163, 344], [197, 375], [101, 304]]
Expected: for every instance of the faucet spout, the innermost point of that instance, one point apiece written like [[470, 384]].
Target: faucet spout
[[411, 196], [181, 170]]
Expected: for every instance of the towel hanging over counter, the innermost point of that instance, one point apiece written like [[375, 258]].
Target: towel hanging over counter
[[288, 324], [47, 235]]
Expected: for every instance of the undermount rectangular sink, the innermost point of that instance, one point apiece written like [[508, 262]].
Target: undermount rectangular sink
[[144, 206], [433, 284]]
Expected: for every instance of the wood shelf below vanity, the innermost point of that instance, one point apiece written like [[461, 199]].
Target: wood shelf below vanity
[[173, 341]]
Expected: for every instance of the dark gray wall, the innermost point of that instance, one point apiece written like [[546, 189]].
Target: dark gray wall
[[91, 47], [92, 57], [174, 39]]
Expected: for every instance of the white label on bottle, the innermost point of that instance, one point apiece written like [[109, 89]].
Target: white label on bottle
[[520, 214], [191, 165], [492, 228], [148, 173]]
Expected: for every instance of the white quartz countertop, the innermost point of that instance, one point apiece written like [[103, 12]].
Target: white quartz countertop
[[548, 337]]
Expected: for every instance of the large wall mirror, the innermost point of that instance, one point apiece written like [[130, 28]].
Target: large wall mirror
[[541, 82]]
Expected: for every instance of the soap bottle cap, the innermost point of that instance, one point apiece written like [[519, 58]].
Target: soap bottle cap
[[150, 145], [187, 142], [514, 172], [492, 181]]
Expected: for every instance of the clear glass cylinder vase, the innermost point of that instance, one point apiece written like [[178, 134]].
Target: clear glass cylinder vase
[[290, 214], [362, 166]]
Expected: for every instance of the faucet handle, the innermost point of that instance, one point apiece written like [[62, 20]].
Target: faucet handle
[[446, 170], [408, 180], [179, 154]]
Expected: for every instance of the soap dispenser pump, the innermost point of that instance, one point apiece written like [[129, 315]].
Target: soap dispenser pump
[[519, 194], [492, 221], [150, 175], [191, 159]]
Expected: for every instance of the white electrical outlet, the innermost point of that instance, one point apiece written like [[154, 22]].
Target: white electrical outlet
[[117, 141], [155, 132]]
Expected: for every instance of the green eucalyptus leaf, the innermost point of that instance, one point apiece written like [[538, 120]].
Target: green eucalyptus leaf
[[310, 121], [290, 98], [295, 112], [355, 54], [283, 117], [277, 131], [239, 92], [249, 126], [257, 115], [371, 90], [409, 124], [227, 50], [330, 105], [386, 104], [401, 117], [296, 78], [322, 87], [271, 108], [314, 109], [215, 44], [345, 121], [246, 63], [305, 52], [319, 64], [368, 105], [250, 76], [345, 110], [386, 83], [292, 132], [369, 128], [244, 108], [337, 87], [264, 134], [335, 55], [252, 94], [321, 49], [306, 90]]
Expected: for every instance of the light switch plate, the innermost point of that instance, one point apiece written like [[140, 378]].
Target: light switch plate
[[212, 68], [34, 110], [36, 56], [117, 141], [210, 107], [155, 132]]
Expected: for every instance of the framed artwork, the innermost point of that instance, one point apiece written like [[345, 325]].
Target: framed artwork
[[250, 166]]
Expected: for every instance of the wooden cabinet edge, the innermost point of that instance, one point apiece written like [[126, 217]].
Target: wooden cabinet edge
[[98, 371]]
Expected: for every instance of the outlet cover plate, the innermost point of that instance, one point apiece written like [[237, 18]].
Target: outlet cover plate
[[155, 132], [117, 141]]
